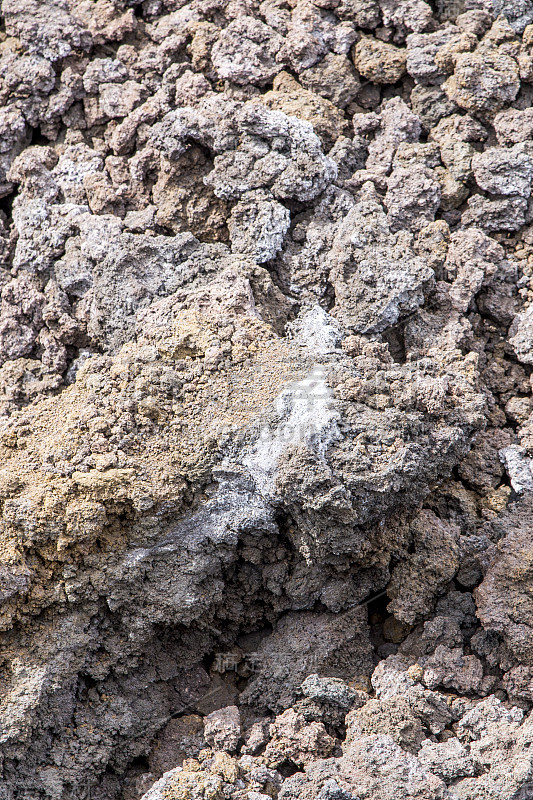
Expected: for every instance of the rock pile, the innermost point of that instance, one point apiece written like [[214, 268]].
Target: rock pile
[[266, 413]]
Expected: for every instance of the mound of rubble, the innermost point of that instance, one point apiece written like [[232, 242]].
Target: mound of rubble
[[266, 416]]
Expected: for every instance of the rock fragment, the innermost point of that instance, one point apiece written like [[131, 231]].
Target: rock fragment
[[379, 61], [293, 166], [246, 52], [483, 81], [222, 729], [504, 171], [522, 336], [49, 29], [333, 78], [301, 641], [436, 552], [506, 214], [449, 760]]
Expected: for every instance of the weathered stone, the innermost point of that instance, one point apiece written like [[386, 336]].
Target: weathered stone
[[333, 78], [502, 599], [436, 557], [483, 81], [265, 273], [246, 52], [506, 171], [379, 61], [222, 729]]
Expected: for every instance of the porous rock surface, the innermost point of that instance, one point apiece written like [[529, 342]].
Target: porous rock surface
[[266, 420]]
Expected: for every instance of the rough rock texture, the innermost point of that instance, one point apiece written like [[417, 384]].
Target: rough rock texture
[[266, 417]]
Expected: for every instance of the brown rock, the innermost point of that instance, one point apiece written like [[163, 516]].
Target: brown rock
[[293, 740], [483, 81], [288, 95], [379, 61], [180, 739]]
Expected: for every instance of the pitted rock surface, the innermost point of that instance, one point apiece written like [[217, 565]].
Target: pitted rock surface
[[266, 419]]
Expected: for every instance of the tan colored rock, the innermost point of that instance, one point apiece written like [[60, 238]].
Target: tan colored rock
[[379, 61], [446, 56], [119, 100], [105, 21], [393, 717], [483, 81], [436, 553], [101, 196], [184, 202], [453, 193], [180, 739], [287, 95], [333, 78], [292, 740]]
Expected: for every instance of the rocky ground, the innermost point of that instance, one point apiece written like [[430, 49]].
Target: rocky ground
[[266, 412]]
